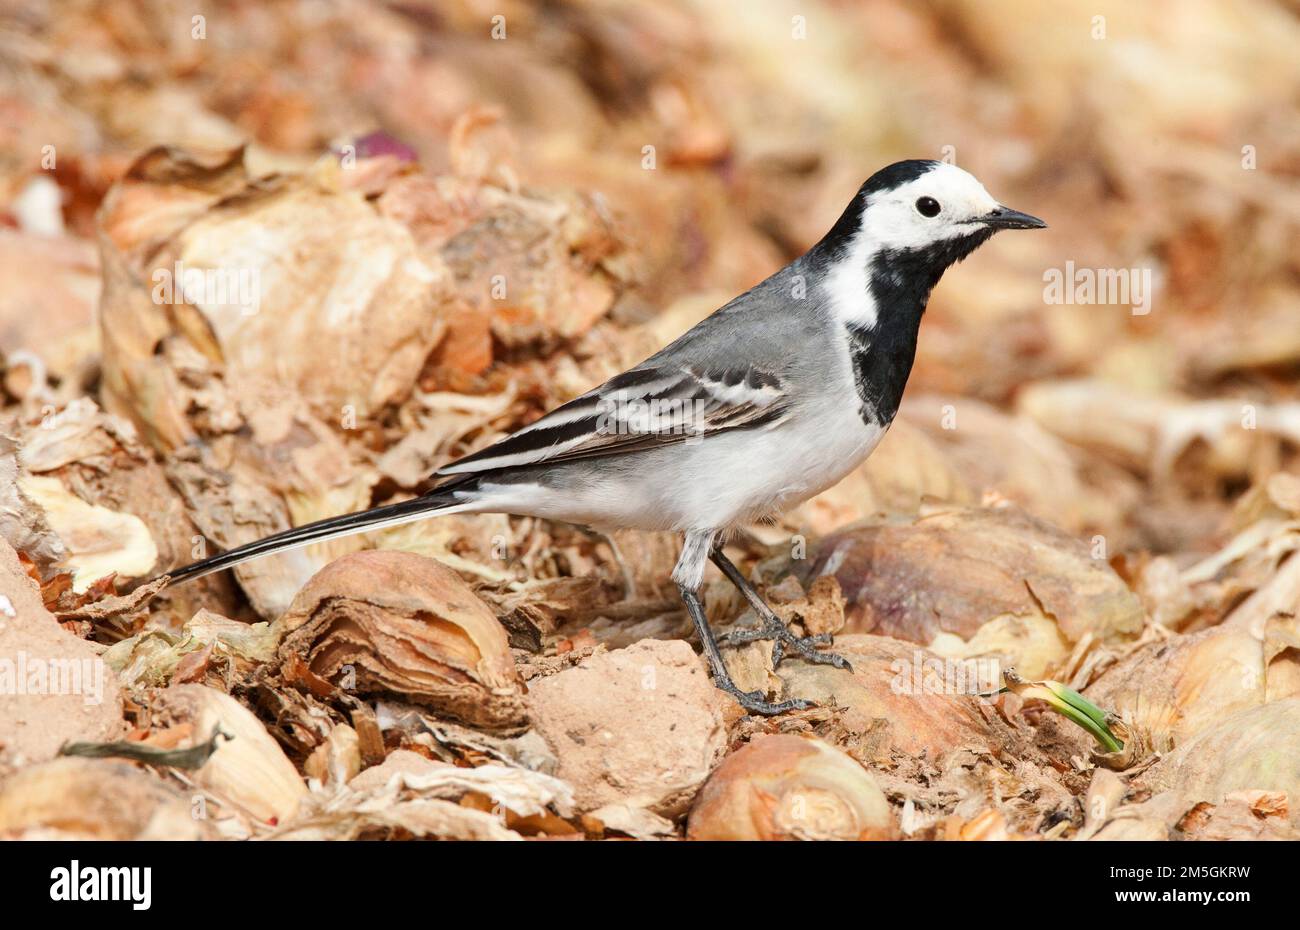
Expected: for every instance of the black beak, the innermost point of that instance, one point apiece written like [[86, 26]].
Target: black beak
[[1006, 218]]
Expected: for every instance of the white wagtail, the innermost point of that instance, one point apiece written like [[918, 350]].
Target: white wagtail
[[768, 401]]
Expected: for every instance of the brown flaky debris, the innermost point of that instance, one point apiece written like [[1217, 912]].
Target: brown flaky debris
[[248, 773], [56, 687], [920, 704], [790, 788], [396, 623], [978, 581], [640, 726], [95, 799]]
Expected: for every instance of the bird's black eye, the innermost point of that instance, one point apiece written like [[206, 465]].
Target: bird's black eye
[[928, 206]]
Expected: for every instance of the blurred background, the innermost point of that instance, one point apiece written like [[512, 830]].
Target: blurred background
[[626, 168]]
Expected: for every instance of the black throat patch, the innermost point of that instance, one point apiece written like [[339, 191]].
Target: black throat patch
[[900, 282]]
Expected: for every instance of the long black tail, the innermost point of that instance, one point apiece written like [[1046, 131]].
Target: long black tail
[[436, 500]]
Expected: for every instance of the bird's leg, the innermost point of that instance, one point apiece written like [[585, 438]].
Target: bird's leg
[[689, 575], [752, 701], [770, 625]]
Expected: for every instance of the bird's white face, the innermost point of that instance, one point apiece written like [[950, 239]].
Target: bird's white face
[[926, 214], [944, 203]]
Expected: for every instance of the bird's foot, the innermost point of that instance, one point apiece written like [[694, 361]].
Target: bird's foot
[[806, 646], [756, 703]]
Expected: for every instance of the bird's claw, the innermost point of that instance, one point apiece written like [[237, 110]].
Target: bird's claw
[[756, 703], [805, 646], [741, 637]]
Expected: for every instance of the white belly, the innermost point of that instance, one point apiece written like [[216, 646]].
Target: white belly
[[720, 482], [797, 461]]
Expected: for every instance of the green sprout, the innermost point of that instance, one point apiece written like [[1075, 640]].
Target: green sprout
[[1068, 703]]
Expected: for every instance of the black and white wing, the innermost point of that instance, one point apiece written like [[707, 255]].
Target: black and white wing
[[640, 409]]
